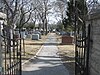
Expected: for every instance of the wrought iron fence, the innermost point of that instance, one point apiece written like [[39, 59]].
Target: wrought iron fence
[[82, 42], [11, 46], [82, 54]]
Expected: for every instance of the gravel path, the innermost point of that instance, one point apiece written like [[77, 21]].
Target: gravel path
[[47, 62]]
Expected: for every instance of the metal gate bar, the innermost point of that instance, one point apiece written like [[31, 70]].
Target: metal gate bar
[[11, 53], [82, 41], [82, 54]]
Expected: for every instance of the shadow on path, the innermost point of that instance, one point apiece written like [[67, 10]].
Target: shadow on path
[[47, 61], [45, 71], [44, 65]]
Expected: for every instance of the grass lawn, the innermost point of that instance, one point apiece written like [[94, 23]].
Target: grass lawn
[[32, 47]]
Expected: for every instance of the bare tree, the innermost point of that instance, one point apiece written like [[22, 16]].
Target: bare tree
[[43, 7], [11, 9], [18, 11], [25, 12], [59, 8]]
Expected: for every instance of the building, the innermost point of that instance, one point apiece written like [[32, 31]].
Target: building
[[94, 52]]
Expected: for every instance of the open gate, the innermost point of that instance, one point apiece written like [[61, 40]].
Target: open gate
[[82, 53], [11, 52], [82, 43]]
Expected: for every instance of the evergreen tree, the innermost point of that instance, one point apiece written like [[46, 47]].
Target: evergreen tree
[[68, 22], [80, 9]]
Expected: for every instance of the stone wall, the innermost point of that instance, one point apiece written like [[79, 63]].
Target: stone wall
[[94, 59]]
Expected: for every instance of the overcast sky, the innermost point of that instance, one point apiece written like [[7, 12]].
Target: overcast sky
[[53, 18]]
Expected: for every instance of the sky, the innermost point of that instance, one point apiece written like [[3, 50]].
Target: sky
[[53, 18]]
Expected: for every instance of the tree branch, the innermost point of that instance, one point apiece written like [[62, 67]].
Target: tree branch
[[8, 6]]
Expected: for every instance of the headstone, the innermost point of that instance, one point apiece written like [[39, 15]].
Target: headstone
[[17, 35], [35, 36], [23, 35], [28, 36], [38, 33]]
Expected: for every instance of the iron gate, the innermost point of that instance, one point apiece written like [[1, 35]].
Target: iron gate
[[11, 46], [82, 43], [82, 54]]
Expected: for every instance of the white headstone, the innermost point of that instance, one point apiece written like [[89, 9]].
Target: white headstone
[[35, 36]]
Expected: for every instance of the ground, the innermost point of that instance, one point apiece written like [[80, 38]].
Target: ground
[[66, 52], [32, 47], [47, 61]]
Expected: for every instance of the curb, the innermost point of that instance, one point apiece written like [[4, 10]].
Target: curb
[[33, 56]]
